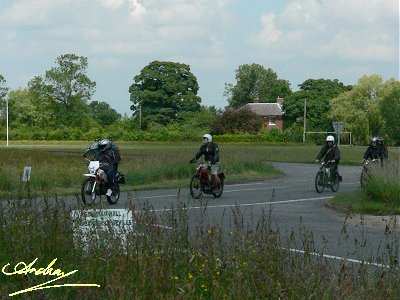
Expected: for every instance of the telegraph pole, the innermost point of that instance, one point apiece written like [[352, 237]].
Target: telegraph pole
[[7, 119], [304, 117]]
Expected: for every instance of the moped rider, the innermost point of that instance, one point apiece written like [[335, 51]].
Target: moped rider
[[382, 149], [94, 149], [331, 154], [210, 150], [107, 158], [373, 151]]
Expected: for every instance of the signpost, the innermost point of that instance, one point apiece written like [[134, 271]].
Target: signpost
[[338, 127]]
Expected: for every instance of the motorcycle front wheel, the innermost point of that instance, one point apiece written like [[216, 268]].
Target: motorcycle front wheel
[[364, 179], [113, 199], [320, 182], [86, 191], [220, 190], [195, 188]]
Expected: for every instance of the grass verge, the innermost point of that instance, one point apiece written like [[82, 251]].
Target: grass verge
[[185, 258]]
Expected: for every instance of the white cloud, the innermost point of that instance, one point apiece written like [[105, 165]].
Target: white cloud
[[112, 4], [353, 30]]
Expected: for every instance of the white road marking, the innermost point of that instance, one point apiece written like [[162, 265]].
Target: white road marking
[[339, 258], [242, 190], [248, 204]]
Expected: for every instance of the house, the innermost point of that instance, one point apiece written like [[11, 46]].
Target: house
[[270, 112]]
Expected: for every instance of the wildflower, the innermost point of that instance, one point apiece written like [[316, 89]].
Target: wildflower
[[176, 277], [190, 276]]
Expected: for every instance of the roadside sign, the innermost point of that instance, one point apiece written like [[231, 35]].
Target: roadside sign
[[27, 174], [338, 127], [92, 225]]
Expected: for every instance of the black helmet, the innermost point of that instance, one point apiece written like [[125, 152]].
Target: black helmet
[[374, 139], [379, 140]]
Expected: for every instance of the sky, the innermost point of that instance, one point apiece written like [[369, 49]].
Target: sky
[[298, 39]]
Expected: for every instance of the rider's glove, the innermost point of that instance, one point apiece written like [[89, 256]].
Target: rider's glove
[[192, 160]]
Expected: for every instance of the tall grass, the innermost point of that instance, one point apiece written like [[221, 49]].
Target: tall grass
[[189, 258], [384, 184]]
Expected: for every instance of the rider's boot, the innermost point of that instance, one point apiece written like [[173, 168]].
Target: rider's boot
[[215, 181]]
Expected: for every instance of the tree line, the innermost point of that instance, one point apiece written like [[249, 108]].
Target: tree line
[[60, 105]]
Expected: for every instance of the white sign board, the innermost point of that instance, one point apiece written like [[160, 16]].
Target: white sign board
[[27, 173], [90, 224]]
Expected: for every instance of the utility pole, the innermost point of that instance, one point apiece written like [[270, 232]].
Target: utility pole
[[7, 119], [140, 116], [304, 117]]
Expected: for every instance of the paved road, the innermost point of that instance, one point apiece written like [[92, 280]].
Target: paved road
[[291, 204]]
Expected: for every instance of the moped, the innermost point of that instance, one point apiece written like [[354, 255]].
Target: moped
[[201, 183]]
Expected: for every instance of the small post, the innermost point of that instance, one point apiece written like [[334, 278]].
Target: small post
[[26, 176]]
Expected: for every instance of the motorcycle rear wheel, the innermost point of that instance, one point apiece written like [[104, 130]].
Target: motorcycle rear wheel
[[335, 184], [195, 188], [113, 199], [86, 191]]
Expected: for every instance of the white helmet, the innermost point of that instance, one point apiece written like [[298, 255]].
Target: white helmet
[[330, 138], [208, 137]]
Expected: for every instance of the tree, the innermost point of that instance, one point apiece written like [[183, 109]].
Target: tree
[[317, 93], [103, 114], [233, 121], [359, 108], [164, 90], [254, 82], [390, 110], [67, 86]]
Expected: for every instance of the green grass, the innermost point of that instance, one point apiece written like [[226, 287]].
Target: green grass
[[193, 259], [359, 202], [380, 197], [57, 167], [207, 261]]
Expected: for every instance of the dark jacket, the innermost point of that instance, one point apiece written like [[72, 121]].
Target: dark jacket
[[329, 153], [383, 151], [107, 157], [210, 152], [373, 152], [94, 149]]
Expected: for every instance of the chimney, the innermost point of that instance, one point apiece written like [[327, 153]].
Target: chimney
[[279, 100]]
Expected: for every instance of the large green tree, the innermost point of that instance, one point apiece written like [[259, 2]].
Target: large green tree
[[255, 83], [390, 110], [103, 114], [317, 94], [359, 108], [163, 91], [67, 87]]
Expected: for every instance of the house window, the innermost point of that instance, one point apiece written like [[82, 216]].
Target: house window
[[272, 120]]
